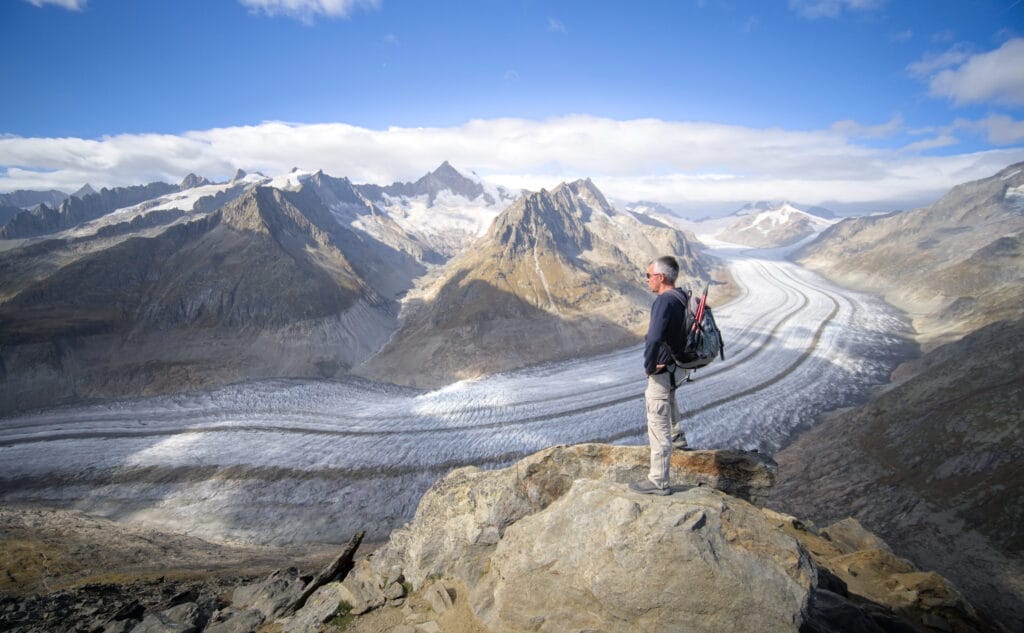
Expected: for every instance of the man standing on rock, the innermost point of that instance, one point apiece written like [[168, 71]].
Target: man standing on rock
[[666, 336]]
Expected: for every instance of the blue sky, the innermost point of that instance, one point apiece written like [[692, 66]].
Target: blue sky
[[853, 102]]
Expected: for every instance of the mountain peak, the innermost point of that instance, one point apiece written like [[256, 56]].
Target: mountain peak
[[446, 177], [191, 181], [239, 174], [85, 190]]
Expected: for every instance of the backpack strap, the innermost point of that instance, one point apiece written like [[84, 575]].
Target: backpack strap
[[683, 297]]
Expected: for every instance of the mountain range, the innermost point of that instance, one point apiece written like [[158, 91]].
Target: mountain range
[[938, 453], [774, 224], [556, 275], [159, 288], [954, 266]]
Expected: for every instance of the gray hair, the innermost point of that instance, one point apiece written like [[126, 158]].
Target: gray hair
[[667, 266]]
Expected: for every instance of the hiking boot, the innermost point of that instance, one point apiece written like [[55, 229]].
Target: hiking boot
[[645, 487], [679, 443]]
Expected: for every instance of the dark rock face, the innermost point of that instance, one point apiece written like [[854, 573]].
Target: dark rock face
[[26, 199], [157, 605]]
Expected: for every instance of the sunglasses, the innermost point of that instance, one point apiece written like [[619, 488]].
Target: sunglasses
[[649, 275]]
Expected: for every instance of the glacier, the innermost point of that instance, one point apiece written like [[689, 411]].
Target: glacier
[[293, 461]]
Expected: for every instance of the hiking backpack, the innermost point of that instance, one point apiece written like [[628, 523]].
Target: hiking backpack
[[703, 338]]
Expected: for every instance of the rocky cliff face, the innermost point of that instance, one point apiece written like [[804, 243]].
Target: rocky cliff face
[[954, 266], [26, 199], [558, 274], [933, 465]]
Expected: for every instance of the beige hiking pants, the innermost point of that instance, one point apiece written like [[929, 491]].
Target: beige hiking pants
[[662, 422]]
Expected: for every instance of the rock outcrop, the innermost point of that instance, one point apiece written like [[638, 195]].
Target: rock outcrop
[[558, 543]]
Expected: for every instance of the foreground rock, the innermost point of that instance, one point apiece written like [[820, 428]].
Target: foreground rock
[[558, 543], [644, 564]]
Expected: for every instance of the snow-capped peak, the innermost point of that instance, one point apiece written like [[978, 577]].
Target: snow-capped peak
[[292, 181]]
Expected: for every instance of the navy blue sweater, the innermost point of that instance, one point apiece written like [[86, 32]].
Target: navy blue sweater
[[666, 332]]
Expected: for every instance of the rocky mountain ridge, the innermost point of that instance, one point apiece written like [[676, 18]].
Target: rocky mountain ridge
[[954, 266], [556, 276], [162, 288], [258, 287]]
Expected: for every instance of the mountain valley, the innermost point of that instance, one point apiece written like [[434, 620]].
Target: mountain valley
[[283, 320]]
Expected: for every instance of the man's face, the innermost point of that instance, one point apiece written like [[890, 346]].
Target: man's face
[[653, 279]]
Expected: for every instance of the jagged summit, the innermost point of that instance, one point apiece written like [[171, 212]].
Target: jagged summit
[[443, 179], [84, 190], [552, 220], [554, 276], [191, 181], [239, 175]]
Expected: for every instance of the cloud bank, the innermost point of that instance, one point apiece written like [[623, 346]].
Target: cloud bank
[[682, 164]]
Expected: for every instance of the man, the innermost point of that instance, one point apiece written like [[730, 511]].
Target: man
[[666, 335]]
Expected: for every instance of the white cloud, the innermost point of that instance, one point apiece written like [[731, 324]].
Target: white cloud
[[556, 26], [814, 9], [998, 129], [996, 76], [943, 140], [933, 62], [71, 5], [307, 10], [666, 161], [855, 129]]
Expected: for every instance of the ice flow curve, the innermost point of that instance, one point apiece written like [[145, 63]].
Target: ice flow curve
[[269, 461]]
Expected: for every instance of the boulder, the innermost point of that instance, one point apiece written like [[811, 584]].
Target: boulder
[[234, 621], [272, 596], [604, 558], [361, 588], [184, 618], [464, 515], [319, 608], [851, 536]]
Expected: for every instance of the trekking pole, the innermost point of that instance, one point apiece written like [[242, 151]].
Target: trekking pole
[[700, 309]]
